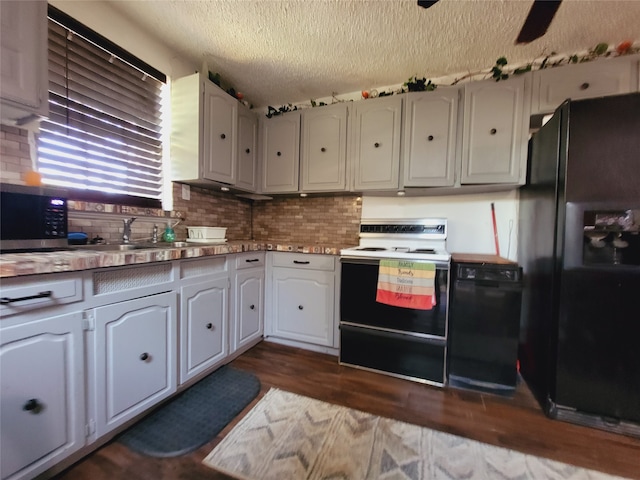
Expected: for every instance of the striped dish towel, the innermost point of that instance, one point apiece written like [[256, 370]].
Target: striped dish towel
[[406, 283]]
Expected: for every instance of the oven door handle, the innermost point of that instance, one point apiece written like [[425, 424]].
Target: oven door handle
[[376, 261]]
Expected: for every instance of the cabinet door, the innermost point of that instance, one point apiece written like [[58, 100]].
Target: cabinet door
[[599, 78], [23, 52], [249, 308], [303, 305], [494, 137], [376, 143], [203, 326], [324, 149], [42, 394], [247, 149], [220, 135], [281, 153], [430, 134], [135, 361]]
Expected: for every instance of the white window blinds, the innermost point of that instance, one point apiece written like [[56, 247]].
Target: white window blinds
[[104, 131]]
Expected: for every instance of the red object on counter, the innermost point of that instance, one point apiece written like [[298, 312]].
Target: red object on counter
[[495, 228]]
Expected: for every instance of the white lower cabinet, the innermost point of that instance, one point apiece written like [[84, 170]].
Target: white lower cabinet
[[247, 320], [303, 289], [203, 326], [204, 312], [135, 357], [42, 406]]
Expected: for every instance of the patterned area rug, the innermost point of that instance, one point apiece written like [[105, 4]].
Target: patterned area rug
[[287, 436]]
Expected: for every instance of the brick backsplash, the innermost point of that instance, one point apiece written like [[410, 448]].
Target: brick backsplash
[[15, 159], [207, 208], [311, 220], [315, 220]]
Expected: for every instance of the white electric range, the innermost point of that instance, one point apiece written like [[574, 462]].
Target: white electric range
[[404, 342]]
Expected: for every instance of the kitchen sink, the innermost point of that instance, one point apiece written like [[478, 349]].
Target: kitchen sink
[[114, 247]]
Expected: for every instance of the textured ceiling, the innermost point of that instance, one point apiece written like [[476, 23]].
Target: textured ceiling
[[291, 51]]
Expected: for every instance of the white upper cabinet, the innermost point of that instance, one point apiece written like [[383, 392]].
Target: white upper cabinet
[[610, 76], [375, 143], [203, 132], [430, 134], [247, 149], [281, 153], [496, 122], [23, 53], [324, 149], [219, 133]]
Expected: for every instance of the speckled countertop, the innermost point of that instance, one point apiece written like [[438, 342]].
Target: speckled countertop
[[16, 264]]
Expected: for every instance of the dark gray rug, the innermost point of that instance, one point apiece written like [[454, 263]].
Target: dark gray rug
[[195, 416]]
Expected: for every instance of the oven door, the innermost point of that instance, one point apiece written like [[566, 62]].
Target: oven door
[[358, 306]]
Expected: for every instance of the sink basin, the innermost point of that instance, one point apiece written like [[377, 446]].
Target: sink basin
[[113, 247], [176, 244]]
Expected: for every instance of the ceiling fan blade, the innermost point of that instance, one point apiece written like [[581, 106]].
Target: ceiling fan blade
[[427, 3], [538, 20]]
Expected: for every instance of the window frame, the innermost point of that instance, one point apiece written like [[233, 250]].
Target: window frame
[[58, 16]]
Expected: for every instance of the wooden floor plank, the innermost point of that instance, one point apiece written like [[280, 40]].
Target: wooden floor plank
[[516, 423]]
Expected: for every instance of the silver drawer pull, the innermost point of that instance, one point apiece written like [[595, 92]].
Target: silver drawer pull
[[7, 300], [301, 263]]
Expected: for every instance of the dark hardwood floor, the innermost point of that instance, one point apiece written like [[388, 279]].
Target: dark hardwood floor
[[516, 423]]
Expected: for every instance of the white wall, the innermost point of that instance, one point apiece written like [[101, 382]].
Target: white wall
[[108, 22], [469, 218]]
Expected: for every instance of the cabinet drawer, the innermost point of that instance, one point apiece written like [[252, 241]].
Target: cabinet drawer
[[122, 283], [203, 266], [249, 260], [304, 260], [399, 355], [25, 294]]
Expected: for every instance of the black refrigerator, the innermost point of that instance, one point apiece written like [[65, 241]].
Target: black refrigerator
[[579, 248]]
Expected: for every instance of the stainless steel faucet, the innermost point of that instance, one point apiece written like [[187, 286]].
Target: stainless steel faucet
[[154, 235], [126, 232]]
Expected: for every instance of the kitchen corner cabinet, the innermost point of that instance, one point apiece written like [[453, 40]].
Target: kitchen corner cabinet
[[303, 298], [42, 406], [323, 163], [494, 136], [430, 138], [23, 49], [375, 143], [247, 325], [204, 310], [135, 357], [281, 153], [599, 78], [203, 132], [247, 150]]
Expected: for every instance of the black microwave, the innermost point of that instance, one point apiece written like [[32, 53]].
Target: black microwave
[[32, 218]]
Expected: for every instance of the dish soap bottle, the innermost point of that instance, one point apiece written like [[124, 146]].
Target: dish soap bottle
[[169, 235]]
